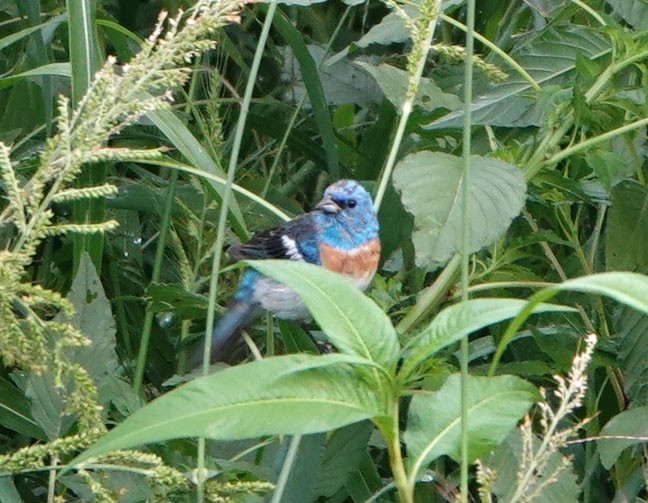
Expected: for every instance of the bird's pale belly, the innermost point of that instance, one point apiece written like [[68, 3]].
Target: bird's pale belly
[[279, 300]]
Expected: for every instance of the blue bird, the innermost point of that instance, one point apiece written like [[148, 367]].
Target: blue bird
[[341, 234]]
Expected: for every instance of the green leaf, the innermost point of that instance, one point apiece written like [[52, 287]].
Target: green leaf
[[353, 322], [303, 472], [342, 456], [85, 56], [431, 189], [506, 461], [16, 37], [550, 58], [93, 317], [310, 74], [631, 339], [627, 228], [394, 83], [631, 423], [55, 69], [495, 404], [180, 136], [8, 491], [15, 412], [177, 300], [633, 12], [47, 405], [459, 320], [625, 287], [228, 405]]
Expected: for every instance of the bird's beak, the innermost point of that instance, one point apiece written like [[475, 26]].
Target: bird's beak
[[328, 205]]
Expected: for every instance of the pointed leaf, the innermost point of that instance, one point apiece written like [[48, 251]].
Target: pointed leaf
[[495, 404], [431, 189], [228, 405], [625, 287], [15, 411], [394, 83], [459, 320], [631, 423], [627, 228], [180, 136], [354, 323], [550, 59]]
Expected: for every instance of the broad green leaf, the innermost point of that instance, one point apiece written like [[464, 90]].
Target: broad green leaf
[[631, 423], [495, 404], [342, 83], [633, 12], [394, 83], [352, 321], [52, 69], [459, 320], [631, 340], [48, 405], [344, 451], [625, 287], [430, 184], [365, 482], [550, 59], [93, 317], [305, 467], [228, 405], [609, 167], [15, 411], [507, 460], [626, 239]]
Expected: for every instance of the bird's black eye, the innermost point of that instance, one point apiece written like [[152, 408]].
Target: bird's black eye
[[352, 203]]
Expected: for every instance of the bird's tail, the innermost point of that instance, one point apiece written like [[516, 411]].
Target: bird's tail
[[226, 331], [229, 326]]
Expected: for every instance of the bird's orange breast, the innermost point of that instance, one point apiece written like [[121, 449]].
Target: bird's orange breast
[[359, 264]]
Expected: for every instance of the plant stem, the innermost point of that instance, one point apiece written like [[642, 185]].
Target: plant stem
[[432, 295], [289, 461], [155, 277], [405, 490], [406, 109], [465, 238], [222, 220], [51, 485]]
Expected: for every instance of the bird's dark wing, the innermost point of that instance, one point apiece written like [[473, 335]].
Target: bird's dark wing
[[295, 240]]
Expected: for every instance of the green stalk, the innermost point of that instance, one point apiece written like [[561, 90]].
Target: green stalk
[[465, 239], [155, 277], [85, 60], [289, 461], [406, 108], [591, 142], [432, 295], [222, 220], [396, 462]]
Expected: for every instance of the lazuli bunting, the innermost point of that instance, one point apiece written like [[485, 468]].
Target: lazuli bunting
[[341, 234]]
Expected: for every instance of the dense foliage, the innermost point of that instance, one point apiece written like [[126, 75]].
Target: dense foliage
[[135, 147]]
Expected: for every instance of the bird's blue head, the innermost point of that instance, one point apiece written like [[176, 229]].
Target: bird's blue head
[[346, 207]]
